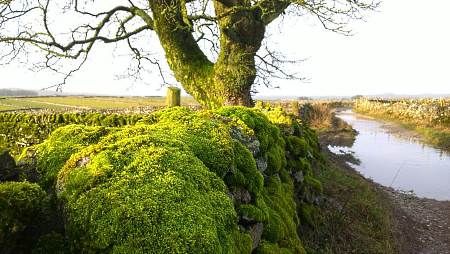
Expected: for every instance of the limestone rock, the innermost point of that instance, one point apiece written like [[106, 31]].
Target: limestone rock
[[261, 164], [252, 143], [256, 231], [241, 196], [298, 176]]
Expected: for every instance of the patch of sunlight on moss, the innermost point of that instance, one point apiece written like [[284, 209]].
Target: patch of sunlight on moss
[[55, 151]]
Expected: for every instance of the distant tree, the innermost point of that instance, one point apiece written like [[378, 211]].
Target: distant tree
[[233, 30], [17, 92], [357, 97]]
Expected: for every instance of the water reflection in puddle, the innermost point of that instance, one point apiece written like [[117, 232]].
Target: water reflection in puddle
[[403, 164]]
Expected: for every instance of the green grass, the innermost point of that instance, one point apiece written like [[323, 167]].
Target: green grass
[[109, 102], [26, 103], [97, 102], [6, 107], [436, 137], [81, 102], [354, 219]]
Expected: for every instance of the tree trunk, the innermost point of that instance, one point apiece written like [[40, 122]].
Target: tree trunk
[[241, 34], [229, 80]]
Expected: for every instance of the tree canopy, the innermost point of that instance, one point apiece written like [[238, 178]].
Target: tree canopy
[[213, 47]]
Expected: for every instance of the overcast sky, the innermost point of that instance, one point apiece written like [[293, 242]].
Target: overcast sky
[[403, 48]]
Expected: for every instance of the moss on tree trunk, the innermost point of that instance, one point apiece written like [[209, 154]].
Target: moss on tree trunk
[[228, 81]]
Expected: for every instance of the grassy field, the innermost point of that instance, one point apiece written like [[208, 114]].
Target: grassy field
[[63, 103], [354, 220]]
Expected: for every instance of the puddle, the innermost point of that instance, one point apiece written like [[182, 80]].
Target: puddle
[[398, 162]]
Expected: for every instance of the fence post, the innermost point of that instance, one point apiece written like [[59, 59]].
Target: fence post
[[173, 98]]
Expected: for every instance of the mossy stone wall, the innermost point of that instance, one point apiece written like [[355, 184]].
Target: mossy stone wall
[[220, 181]]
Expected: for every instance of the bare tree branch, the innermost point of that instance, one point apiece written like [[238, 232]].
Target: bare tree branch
[[205, 32]]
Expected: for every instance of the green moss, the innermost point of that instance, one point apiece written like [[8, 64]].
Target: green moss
[[274, 228], [305, 165], [56, 150], [309, 214], [267, 248], [146, 181], [285, 177], [265, 131], [270, 248], [286, 122], [174, 169], [19, 130], [283, 220], [209, 139], [252, 212], [272, 145], [276, 160], [276, 201], [20, 207], [278, 116], [297, 146], [172, 114], [52, 243], [235, 179], [243, 242], [246, 170], [314, 184]]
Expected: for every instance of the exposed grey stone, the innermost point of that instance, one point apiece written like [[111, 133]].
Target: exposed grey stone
[[256, 231], [246, 220], [241, 196], [319, 201], [253, 146], [83, 161], [252, 143], [236, 133], [298, 176], [261, 164]]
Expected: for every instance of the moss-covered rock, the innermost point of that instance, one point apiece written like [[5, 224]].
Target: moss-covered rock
[[145, 194], [50, 156], [52, 243], [276, 204], [21, 130], [20, 209], [180, 181], [298, 146], [266, 132], [207, 137], [245, 169], [270, 248]]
